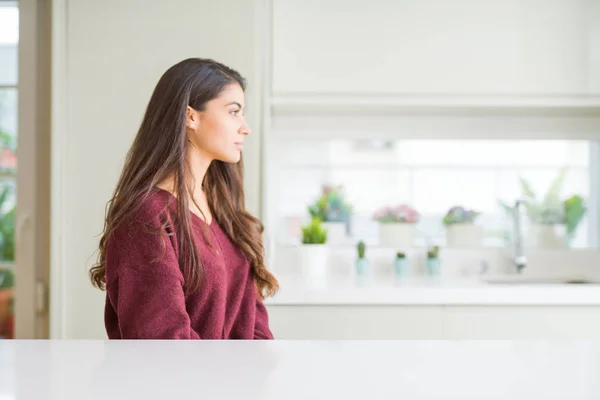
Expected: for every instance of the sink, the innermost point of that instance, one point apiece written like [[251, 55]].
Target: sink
[[540, 280]]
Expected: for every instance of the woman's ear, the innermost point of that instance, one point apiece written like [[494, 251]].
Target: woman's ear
[[193, 118]]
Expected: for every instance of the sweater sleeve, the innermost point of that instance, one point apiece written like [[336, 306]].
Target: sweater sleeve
[[145, 284], [261, 326]]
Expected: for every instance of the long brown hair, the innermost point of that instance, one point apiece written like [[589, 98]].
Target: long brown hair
[[159, 153]]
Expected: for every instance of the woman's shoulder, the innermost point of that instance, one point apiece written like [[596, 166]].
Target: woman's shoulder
[[150, 212], [154, 205], [140, 242]]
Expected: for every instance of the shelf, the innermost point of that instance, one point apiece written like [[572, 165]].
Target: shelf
[[435, 118], [382, 104]]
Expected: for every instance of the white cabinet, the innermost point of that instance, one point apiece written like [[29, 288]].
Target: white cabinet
[[436, 47], [389, 322], [494, 322], [355, 322]]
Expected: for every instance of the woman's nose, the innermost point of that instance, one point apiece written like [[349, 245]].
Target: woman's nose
[[245, 129]]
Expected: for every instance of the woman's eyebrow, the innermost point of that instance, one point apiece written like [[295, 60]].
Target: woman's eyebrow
[[234, 103]]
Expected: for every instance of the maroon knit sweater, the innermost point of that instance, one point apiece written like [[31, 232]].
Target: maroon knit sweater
[[144, 283]]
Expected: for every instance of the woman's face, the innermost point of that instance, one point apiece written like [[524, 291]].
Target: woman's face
[[219, 131]]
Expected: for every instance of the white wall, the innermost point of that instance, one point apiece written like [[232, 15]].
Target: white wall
[[109, 55], [433, 47]]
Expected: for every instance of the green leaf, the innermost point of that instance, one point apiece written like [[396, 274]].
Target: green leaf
[[552, 199], [3, 197], [509, 210], [526, 189], [7, 279], [575, 210]]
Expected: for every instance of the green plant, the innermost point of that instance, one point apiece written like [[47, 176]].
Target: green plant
[[361, 247], [460, 215], [314, 233], [433, 252], [331, 206], [7, 228], [7, 213], [575, 210], [6, 140], [7, 278], [551, 209], [400, 255]]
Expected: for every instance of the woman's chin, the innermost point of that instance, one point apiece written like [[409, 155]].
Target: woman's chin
[[231, 158]]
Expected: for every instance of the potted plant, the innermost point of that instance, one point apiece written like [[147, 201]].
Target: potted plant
[[401, 264], [397, 226], [433, 260], [461, 230], [332, 209], [7, 283], [362, 264], [554, 220], [314, 253], [7, 227]]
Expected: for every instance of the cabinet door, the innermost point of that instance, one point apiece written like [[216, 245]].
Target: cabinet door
[[355, 322], [488, 322], [436, 47]]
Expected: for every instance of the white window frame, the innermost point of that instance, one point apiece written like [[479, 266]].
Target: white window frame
[[32, 216], [9, 176]]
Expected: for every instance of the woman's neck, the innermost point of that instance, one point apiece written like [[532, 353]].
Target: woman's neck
[[199, 164], [198, 202]]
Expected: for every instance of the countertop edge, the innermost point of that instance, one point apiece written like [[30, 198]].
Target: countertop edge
[[484, 295]]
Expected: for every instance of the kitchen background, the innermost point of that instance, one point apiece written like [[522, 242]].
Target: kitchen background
[[410, 128]]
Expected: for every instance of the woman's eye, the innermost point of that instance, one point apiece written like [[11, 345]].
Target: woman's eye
[[234, 112]]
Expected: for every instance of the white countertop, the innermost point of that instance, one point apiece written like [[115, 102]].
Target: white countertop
[[428, 291], [346, 370]]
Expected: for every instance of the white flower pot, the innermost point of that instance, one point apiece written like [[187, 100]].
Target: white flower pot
[[547, 236], [397, 235], [313, 261], [336, 232], [464, 235]]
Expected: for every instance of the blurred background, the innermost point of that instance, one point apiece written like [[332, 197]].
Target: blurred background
[[410, 127]]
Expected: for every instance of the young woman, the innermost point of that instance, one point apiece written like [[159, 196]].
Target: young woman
[[180, 257]]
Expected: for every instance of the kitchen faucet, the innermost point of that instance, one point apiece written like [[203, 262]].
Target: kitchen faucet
[[520, 261]]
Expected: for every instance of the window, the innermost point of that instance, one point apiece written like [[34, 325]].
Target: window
[[430, 175], [9, 38], [9, 35]]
